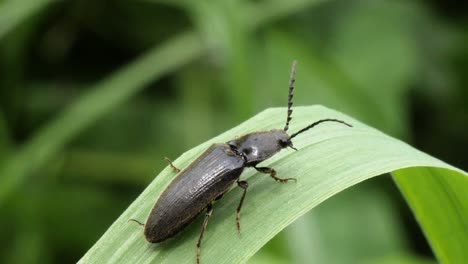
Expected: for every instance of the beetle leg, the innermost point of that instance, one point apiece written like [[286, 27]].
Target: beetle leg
[[244, 185], [177, 170], [209, 211], [272, 173], [136, 221]]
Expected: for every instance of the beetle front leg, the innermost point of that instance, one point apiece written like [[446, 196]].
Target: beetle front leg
[[177, 170], [244, 185], [272, 173], [209, 211]]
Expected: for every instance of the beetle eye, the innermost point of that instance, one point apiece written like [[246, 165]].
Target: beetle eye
[[283, 143]]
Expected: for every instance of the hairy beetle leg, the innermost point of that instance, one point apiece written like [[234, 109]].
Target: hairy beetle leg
[[177, 170], [272, 173], [136, 221], [244, 185], [209, 211]]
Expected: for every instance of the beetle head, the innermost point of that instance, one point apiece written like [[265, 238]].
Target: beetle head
[[259, 146]]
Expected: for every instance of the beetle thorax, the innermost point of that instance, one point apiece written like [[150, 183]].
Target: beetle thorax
[[259, 146]]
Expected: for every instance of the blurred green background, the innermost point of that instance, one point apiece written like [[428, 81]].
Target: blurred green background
[[93, 95]]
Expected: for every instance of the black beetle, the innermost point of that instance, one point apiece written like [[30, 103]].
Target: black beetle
[[211, 175]]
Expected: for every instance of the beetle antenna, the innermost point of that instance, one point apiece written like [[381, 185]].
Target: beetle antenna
[[292, 80], [318, 122]]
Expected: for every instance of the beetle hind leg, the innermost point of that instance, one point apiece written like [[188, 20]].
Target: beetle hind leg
[[209, 212], [136, 221], [244, 185], [272, 173], [177, 170]]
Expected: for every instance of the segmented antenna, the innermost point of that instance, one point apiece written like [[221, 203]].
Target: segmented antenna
[[292, 80], [318, 122]]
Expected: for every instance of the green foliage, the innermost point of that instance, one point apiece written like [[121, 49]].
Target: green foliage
[[94, 93], [99, 101], [13, 13]]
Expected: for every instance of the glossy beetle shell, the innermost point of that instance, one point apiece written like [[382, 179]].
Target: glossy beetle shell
[[192, 190]]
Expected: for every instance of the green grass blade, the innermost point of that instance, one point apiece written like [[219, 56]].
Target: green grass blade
[[330, 159], [439, 199], [14, 12]]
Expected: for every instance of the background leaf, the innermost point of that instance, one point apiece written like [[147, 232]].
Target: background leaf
[[14, 12], [100, 100]]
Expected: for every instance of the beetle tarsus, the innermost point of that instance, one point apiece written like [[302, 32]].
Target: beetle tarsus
[[244, 185], [136, 221], [177, 170], [272, 173], [209, 211]]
